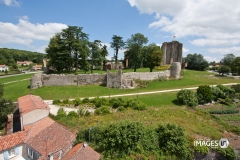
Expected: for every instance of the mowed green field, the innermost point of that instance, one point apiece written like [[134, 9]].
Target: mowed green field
[[191, 79]]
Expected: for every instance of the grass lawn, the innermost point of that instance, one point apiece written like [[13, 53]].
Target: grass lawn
[[15, 78], [191, 79]]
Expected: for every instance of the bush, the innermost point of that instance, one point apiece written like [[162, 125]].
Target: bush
[[201, 149], [115, 103], [77, 102], [236, 88], [81, 111], [217, 93], [56, 101], [85, 100], [229, 153], [172, 141], [204, 94], [135, 104], [61, 113], [102, 110], [72, 114], [97, 102], [228, 92], [121, 108], [66, 101], [187, 97]]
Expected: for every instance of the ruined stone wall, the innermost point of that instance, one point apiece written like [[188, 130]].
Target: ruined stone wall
[[39, 80], [146, 76], [111, 80], [172, 52], [114, 80]]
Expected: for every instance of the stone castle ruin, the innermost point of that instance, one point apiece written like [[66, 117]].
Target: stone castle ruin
[[172, 52], [111, 80]]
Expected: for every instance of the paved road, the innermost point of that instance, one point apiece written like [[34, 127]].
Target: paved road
[[54, 108]]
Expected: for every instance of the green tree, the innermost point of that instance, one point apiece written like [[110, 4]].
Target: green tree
[[67, 47], [228, 59], [6, 107], [235, 65], [94, 52], [224, 69], [196, 62], [103, 54], [134, 46], [172, 141], [117, 44], [153, 54], [204, 94]]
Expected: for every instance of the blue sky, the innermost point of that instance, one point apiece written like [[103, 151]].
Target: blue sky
[[210, 28]]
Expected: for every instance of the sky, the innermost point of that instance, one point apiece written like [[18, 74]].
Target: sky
[[207, 27]]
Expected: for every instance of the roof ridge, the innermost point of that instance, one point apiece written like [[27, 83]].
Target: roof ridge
[[33, 102]]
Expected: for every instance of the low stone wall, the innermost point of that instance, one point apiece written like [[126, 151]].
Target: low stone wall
[[146, 76], [111, 80], [39, 80]]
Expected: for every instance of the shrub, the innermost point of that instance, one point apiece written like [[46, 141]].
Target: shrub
[[121, 108], [135, 104], [66, 101], [236, 88], [172, 141], [85, 100], [204, 94], [217, 93], [98, 102], [228, 92], [72, 114], [102, 110], [201, 149], [61, 113], [56, 101], [229, 153], [81, 111], [115, 103], [77, 102], [187, 97]]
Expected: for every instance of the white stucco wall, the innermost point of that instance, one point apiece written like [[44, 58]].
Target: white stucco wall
[[21, 148], [34, 116]]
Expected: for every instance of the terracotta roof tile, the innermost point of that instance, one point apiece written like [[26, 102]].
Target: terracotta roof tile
[[79, 152], [31, 102], [12, 140], [47, 136]]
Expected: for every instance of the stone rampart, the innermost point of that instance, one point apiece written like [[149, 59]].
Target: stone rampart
[[111, 80]]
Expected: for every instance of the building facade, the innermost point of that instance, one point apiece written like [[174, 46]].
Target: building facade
[[172, 52]]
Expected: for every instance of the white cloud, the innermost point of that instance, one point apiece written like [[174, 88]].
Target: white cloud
[[40, 49], [213, 22], [214, 42], [226, 50], [10, 2], [26, 32], [211, 59], [185, 50]]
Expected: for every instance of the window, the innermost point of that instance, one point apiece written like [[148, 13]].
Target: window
[[30, 153], [11, 153]]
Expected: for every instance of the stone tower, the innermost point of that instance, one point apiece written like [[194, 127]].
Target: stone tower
[[172, 52]]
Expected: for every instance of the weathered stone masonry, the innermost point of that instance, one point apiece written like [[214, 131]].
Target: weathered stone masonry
[[111, 80]]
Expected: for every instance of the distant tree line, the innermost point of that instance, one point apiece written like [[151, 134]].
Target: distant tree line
[[11, 56], [195, 62]]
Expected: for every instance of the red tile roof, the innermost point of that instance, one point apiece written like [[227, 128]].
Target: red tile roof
[[12, 140], [79, 152], [29, 103], [47, 136]]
